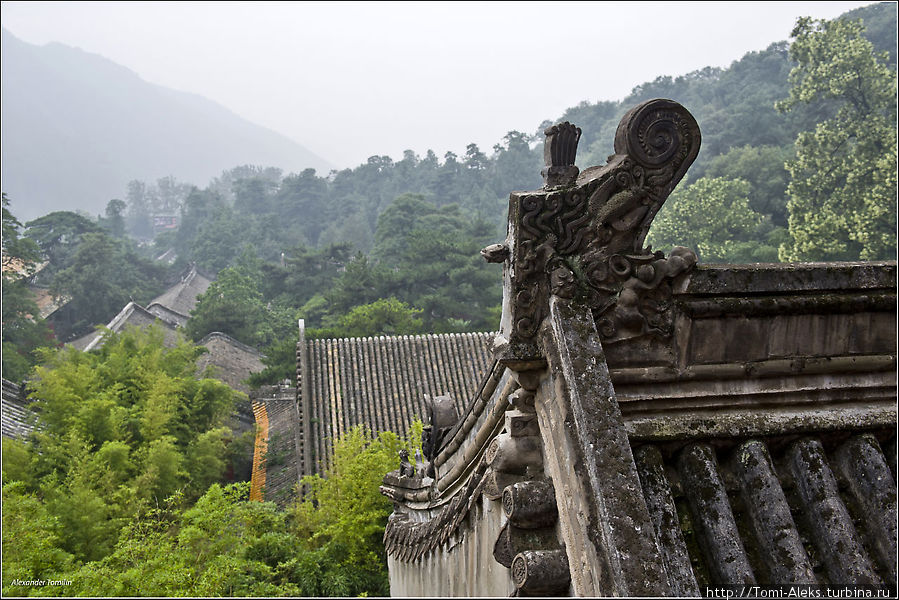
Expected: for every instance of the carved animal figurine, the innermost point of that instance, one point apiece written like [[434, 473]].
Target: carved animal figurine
[[407, 469], [495, 253]]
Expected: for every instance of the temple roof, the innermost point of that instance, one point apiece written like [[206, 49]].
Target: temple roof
[[232, 361], [182, 297], [171, 310], [132, 314], [382, 382], [16, 418]]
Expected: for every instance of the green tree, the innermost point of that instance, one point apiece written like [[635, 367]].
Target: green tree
[[115, 217], [31, 540], [343, 515], [15, 246], [433, 261], [101, 276], [232, 305], [763, 167], [385, 316], [121, 429], [842, 195], [140, 222], [58, 234], [328, 544], [23, 331], [713, 217]]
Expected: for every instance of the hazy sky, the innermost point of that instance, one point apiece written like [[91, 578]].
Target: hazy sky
[[349, 80]]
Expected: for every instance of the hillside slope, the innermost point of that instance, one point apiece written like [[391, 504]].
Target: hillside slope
[[77, 127]]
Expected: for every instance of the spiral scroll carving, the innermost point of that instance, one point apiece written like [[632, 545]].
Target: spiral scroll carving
[[657, 132], [508, 502], [519, 570]]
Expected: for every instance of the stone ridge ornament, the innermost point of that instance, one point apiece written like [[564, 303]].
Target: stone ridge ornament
[[582, 236], [559, 151]]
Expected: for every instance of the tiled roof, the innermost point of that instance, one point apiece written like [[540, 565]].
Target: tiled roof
[[232, 361], [17, 420], [812, 511], [171, 309], [133, 314], [381, 382], [47, 304], [182, 297], [168, 315]]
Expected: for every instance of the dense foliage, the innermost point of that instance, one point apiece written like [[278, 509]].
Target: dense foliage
[[713, 216], [121, 429], [842, 191], [23, 331], [328, 544]]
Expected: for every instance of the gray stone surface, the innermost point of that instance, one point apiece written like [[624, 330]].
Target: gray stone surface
[[784, 558], [228, 360], [828, 519], [609, 538]]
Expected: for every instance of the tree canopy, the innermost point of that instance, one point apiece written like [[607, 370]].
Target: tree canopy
[[842, 192], [23, 330]]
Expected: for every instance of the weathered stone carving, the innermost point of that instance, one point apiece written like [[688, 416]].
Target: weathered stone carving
[[513, 540], [559, 151], [541, 571], [530, 504], [583, 236]]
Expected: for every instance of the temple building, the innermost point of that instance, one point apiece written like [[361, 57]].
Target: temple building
[[651, 426], [641, 425]]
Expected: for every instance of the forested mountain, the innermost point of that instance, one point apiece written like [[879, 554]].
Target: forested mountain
[[77, 127]]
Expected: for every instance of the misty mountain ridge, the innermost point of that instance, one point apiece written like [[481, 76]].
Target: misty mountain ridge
[[77, 127]]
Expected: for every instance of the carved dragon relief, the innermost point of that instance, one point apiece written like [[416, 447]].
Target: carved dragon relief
[[582, 236]]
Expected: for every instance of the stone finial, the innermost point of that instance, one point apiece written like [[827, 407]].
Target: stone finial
[[559, 151]]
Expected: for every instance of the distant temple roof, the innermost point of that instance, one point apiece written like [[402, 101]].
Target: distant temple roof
[[378, 382], [231, 360], [171, 310], [182, 297], [134, 315], [46, 302], [16, 418]]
